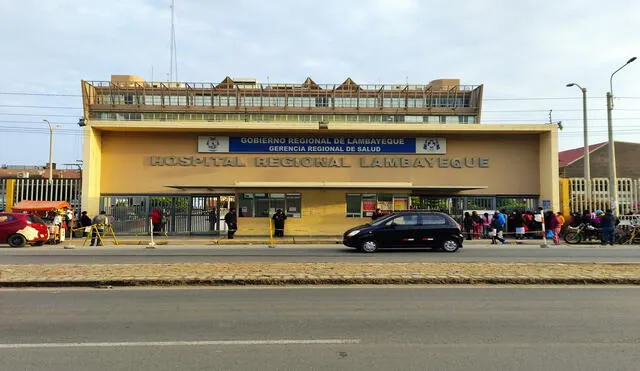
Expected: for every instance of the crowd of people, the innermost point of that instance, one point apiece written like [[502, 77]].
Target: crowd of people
[[520, 224]]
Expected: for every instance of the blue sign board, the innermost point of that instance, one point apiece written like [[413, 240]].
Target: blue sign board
[[321, 145], [318, 144]]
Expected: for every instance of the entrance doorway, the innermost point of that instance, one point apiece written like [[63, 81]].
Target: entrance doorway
[[207, 213]]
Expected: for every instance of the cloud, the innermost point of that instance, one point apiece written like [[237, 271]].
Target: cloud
[[523, 49]]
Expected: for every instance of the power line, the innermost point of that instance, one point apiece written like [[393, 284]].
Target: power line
[[41, 94], [40, 107], [36, 122], [35, 114]]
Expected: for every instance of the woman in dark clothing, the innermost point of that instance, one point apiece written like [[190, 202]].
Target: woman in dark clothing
[[467, 224], [518, 224], [85, 221]]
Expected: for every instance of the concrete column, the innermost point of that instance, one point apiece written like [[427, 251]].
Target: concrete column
[[549, 171], [91, 168]]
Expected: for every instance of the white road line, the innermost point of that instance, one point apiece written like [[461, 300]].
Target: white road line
[[181, 343]]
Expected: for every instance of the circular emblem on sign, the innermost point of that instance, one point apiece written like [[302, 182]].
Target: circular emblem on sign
[[431, 144], [212, 144]]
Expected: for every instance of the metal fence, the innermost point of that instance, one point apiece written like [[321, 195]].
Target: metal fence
[[628, 195], [41, 190], [181, 214], [456, 206]]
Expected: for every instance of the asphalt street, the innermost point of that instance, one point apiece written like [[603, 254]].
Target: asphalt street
[[321, 328], [310, 253]]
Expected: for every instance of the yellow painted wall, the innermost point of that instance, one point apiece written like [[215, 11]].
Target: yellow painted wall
[[91, 171], [549, 178], [126, 168], [323, 214]]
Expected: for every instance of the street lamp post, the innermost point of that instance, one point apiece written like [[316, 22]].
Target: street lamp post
[[587, 164], [613, 178], [50, 151]]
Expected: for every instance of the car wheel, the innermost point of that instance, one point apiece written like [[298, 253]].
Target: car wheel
[[369, 246], [17, 240], [450, 246]]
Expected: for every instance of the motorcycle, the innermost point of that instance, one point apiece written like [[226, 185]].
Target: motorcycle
[[588, 233], [583, 232]]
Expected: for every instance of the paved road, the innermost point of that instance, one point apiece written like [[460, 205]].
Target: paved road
[[315, 253], [321, 328]]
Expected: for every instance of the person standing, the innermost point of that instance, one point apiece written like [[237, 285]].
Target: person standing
[[156, 221], [85, 222], [562, 222], [278, 223], [477, 225], [486, 223], [555, 226], [467, 224], [518, 224], [213, 219], [231, 219], [58, 225], [100, 221], [608, 223], [376, 214], [67, 215]]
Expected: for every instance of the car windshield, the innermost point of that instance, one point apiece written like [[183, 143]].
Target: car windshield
[[34, 219]]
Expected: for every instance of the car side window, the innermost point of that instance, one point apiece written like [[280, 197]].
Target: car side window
[[404, 220], [433, 220], [6, 218]]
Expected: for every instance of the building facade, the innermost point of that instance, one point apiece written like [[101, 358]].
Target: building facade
[[571, 162], [574, 195], [328, 155]]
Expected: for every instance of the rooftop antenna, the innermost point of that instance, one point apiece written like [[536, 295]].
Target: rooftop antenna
[[173, 64]]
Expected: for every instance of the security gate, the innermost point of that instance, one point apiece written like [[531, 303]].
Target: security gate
[[205, 215]]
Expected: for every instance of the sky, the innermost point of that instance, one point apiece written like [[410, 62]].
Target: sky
[[524, 53]]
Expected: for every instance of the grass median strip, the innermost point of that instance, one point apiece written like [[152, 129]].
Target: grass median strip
[[316, 273]]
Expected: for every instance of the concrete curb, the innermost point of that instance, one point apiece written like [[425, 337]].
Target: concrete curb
[[281, 281]]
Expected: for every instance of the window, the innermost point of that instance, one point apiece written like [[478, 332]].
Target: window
[[34, 219], [6, 218], [264, 205], [411, 219], [466, 119], [394, 102], [433, 220], [452, 119], [345, 102], [368, 102], [322, 102], [415, 102], [413, 119], [363, 205]]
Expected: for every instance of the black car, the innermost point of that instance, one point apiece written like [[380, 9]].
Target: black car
[[407, 230]]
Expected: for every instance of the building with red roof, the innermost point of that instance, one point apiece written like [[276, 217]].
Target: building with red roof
[[571, 162]]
